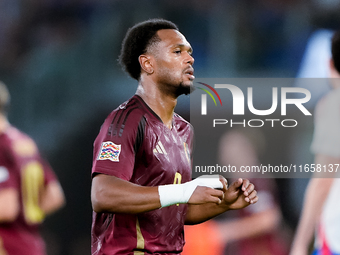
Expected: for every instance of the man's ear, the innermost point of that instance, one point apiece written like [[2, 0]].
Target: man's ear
[[145, 62]]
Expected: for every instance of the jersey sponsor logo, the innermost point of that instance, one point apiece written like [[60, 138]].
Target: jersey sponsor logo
[[110, 151], [4, 175], [159, 148]]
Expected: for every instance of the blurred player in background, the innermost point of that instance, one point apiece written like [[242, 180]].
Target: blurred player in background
[[321, 210], [29, 190], [314, 64], [142, 192], [256, 229]]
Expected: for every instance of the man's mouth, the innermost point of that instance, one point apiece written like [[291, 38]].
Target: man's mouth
[[190, 73]]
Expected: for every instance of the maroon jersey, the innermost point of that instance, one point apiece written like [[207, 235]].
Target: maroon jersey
[[22, 168], [135, 145]]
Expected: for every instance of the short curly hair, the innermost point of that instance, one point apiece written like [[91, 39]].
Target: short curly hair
[[336, 50], [4, 98], [136, 42]]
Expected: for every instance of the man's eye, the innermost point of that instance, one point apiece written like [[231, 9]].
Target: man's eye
[[177, 51]]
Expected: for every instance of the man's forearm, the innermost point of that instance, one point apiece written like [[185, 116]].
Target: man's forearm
[[111, 194], [200, 213], [240, 194]]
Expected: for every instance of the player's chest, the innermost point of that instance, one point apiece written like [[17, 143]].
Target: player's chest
[[168, 149]]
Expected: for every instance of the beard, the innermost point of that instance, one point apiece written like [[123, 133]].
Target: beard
[[176, 88], [184, 89], [174, 84]]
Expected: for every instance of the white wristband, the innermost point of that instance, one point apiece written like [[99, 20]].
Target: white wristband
[[180, 193]]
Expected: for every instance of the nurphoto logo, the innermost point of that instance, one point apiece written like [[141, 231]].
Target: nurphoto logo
[[204, 97], [238, 104]]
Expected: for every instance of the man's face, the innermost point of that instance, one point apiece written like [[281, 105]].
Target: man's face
[[173, 63]]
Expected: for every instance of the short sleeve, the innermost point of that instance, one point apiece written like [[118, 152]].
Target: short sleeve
[[114, 147]]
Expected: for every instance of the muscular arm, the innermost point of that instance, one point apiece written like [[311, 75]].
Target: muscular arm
[[315, 196], [111, 194], [239, 195], [9, 204], [200, 213], [53, 198]]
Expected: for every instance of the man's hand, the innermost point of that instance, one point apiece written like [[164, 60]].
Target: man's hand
[[240, 194], [204, 195], [207, 189], [206, 203]]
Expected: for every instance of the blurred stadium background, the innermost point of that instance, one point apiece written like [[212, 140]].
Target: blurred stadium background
[[59, 60]]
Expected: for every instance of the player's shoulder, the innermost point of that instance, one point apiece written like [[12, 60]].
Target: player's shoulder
[[133, 111], [19, 142], [14, 134], [178, 118], [126, 118], [182, 123], [133, 107]]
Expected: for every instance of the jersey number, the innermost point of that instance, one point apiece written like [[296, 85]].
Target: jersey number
[[178, 180], [32, 184]]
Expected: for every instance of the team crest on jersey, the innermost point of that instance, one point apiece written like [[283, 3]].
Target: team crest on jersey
[[109, 151]]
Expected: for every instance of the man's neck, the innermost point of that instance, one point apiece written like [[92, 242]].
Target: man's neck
[[3, 123], [162, 104]]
